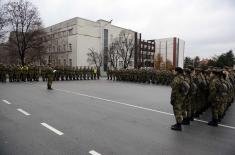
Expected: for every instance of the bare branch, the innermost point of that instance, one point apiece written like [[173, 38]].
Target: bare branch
[[25, 22]]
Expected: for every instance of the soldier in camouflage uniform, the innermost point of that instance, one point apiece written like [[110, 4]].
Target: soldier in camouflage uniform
[[50, 76], [225, 94], [70, 72], [57, 73], [43, 73], [30, 73], [76, 73], [187, 104], [10, 73], [92, 73], [62, 73], [95, 73], [108, 73], [35, 73], [84, 72], [3, 72], [111, 74], [66, 73], [98, 73], [80, 73], [24, 73], [18, 73], [216, 96], [200, 96], [177, 98]]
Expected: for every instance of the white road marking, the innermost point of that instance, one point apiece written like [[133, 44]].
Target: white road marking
[[92, 152], [52, 129], [134, 106], [24, 112], [121, 103], [7, 102]]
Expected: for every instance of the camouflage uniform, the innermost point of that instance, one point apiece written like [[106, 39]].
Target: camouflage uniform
[[43, 73], [10, 73], [50, 76], [177, 99], [216, 98], [3, 72], [187, 104]]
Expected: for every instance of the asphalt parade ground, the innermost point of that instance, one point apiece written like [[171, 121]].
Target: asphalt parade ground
[[103, 117]]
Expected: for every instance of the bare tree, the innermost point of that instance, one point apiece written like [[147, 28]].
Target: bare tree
[[3, 21], [114, 54], [95, 58], [124, 48], [26, 26]]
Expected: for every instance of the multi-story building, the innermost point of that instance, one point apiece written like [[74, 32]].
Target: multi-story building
[[144, 52], [69, 41], [171, 50]]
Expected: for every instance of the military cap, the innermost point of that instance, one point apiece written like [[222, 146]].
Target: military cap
[[208, 70], [187, 70], [179, 70], [198, 69], [190, 67]]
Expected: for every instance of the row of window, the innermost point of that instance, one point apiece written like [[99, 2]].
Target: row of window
[[58, 35], [60, 48], [121, 64], [58, 62]]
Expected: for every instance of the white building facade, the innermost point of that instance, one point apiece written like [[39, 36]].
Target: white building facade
[[69, 41], [171, 50]]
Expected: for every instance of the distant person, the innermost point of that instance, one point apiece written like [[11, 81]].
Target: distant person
[[50, 74]]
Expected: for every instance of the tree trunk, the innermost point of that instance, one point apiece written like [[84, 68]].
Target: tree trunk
[[22, 60]]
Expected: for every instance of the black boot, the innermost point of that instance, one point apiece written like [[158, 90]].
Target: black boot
[[213, 122], [186, 121], [176, 127]]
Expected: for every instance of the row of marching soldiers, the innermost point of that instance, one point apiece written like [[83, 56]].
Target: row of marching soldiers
[[17, 73], [153, 76], [73, 73], [195, 90]]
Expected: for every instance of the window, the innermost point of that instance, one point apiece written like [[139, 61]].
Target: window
[[131, 64], [59, 62], [70, 62], [64, 47], [64, 62], [70, 47], [49, 59], [70, 31], [64, 33], [59, 48], [121, 64]]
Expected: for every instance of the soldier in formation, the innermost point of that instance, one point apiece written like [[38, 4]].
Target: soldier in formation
[[17, 73], [193, 91], [178, 96], [198, 90], [141, 75]]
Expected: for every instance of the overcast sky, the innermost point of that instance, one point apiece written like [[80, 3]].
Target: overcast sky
[[207, 26]]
